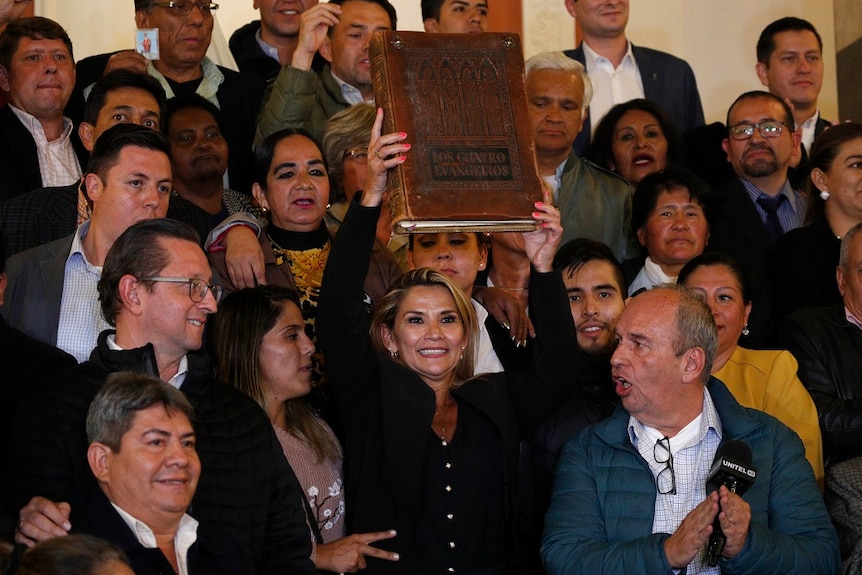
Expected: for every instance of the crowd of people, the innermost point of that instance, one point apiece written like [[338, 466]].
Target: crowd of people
[[220, 359]]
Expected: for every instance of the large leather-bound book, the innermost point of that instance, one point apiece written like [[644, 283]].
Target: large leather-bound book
[[462, 100]]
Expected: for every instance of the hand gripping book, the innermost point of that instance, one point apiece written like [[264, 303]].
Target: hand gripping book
[[462, 100]]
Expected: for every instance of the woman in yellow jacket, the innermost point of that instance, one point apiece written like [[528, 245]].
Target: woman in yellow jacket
[[764, 380]]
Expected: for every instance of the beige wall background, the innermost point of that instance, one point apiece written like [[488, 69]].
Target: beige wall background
[[716, 37]]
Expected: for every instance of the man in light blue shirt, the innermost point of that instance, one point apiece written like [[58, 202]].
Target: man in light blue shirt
[[52, 294]]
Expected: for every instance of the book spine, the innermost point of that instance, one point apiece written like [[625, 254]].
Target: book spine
[[384, 98]]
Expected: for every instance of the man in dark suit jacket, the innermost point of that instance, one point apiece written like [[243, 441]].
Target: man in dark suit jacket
[[744, 228], [37, 73], [667, 80], [184, 68], [145, 488]]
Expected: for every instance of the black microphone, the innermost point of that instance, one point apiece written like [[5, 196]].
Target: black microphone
[[731, 468]]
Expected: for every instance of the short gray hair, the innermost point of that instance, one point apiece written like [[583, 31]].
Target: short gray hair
[[844, 254], [695, 327], [125, 393], [559, 61]]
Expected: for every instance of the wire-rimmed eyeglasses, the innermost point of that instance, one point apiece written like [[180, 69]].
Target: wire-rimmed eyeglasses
[[661, 453], [185, 7], [198, 288], [767, 129]]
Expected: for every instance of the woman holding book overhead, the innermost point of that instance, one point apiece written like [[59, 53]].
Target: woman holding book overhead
[[430, 450]]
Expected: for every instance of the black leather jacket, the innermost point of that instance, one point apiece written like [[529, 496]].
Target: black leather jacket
[[829, 351]]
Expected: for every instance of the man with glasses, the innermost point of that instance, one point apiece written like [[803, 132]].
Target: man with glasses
[[759, 204], [185, 31], [156, 291], [630, 493]]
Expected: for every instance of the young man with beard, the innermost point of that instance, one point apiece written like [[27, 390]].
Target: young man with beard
[[597, 291]]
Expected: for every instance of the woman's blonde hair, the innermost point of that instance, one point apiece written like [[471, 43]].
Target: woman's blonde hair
[[386, 311]]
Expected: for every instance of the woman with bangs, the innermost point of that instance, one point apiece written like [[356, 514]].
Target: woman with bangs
[[431, 450]]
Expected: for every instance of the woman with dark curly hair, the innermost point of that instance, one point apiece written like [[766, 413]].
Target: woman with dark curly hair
[[634, 139]]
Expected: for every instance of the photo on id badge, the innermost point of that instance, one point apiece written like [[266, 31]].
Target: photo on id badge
[[147, 43]]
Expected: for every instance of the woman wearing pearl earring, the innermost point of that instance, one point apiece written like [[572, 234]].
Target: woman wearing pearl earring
[[804, 262]]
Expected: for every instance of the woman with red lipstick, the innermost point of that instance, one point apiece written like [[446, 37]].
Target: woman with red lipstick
[[760, 379], [430, 450], [262, 349], [292, 185], [634, 139], [671, 217]]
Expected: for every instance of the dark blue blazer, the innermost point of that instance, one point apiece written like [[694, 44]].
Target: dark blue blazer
[[668, 81]]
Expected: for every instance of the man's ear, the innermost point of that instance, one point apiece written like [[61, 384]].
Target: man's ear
[[130, 291], [839, 277], [326, 49], [93, 187], [430, 24], [725, 145], [142, 19], [693, 365], [99, 458], [87, 134], [762, 70], [4, 79]]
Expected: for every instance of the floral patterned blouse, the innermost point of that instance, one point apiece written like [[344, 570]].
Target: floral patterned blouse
[[321, 483]]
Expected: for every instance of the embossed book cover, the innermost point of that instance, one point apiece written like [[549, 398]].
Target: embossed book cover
[[461, 98]]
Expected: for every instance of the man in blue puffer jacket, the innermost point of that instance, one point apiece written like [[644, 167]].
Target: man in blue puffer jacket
[[630, 493]]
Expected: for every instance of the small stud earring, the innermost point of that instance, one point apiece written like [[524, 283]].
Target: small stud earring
[[393, 354], [824, 195]]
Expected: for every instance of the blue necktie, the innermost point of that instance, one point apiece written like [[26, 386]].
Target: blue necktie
[[770, 205]]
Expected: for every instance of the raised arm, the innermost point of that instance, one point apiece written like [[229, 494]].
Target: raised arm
[[342, 322], [556, 362]]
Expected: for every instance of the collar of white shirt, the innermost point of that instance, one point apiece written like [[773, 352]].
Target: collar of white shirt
[[185, 537], [182, 369]]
